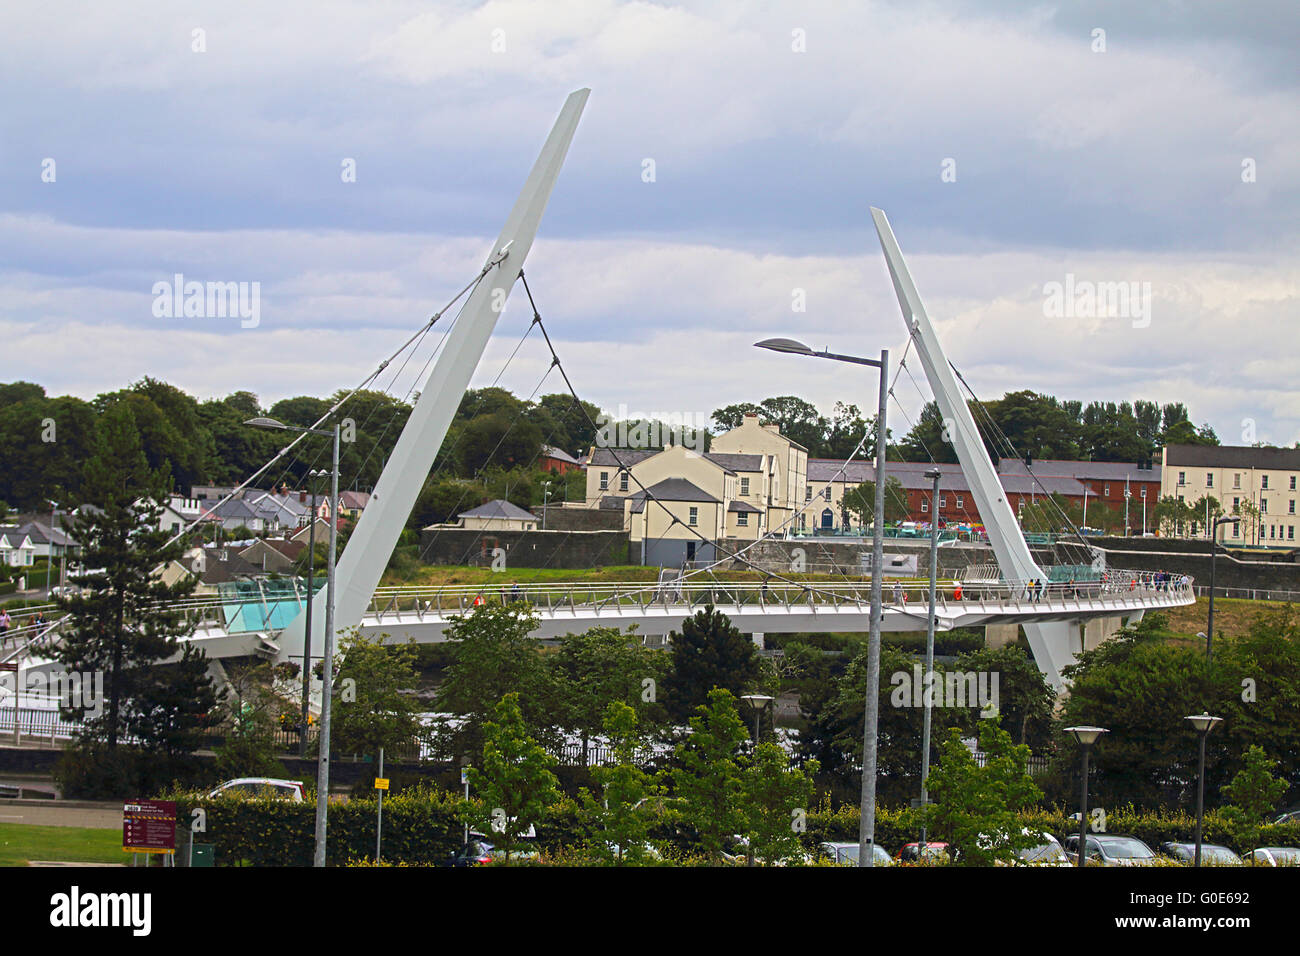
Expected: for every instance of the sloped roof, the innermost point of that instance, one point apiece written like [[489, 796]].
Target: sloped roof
[[671, 489], [735, 461], [1234, 456], [559, 454], [743, 506], [499, 508], [1095, 470], [604, 457]]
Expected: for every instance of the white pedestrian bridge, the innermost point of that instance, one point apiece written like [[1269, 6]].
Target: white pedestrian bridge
[[247, 626]]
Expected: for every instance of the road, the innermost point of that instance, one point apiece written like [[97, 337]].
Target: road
[[62, 813]]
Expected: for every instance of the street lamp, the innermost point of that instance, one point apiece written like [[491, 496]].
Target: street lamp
[[1203, 724], [322, 762], [1085, 737], [758, 702], [871, 723], [934, 475], [546, 494], [1214, 550]]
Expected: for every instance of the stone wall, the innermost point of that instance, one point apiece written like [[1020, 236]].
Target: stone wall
[[580, 519], [524, 549]]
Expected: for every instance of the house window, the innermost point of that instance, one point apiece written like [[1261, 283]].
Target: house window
[[1209, 479], [925, 506], [807, 493], [1263, 482], [827, 493], [693, 516], [943, 501], [1182, 477], [960, 502], [604, 481], [1290, 507], [1290, 532], [803, 522], [742, 519], [744, 486], [1292, 488], [1263, 506], [622, 481], [1236, 529], [1107, 491], [1236, 480], [1236, 503]]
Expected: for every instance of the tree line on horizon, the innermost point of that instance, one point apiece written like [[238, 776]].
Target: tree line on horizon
[[493, 446]]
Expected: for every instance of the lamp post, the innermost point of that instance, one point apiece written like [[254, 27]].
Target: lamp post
[[871, 722], [758, 702], [1085, 737], [934, 475], [49, 551], [546, 494], [1203, 723], [1214, 550], [322, 761]]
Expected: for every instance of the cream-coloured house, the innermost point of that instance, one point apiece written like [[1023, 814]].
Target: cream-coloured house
[[784, 468], [1262, 485], [497, 515]]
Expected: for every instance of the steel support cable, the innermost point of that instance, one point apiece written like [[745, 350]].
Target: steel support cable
[[333, 410], [734, 555]]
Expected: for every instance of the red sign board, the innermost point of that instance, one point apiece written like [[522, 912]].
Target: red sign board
[[149, 825]]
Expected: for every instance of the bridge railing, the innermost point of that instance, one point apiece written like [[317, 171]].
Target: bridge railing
[[1114, 587]]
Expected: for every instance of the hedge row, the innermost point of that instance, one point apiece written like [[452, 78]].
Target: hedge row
[[424, 827]]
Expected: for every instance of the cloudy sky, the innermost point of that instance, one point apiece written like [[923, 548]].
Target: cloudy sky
[[1013, 145]]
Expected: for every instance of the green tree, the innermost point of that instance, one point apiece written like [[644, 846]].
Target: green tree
[[861, 502], [1253, 794], [515, 784], [975, 808], [598, 667], [776, 800], [708, 781], [121, 624], [709, 652], [1025, 698], [492, 655], [373, 703], [619, 815]]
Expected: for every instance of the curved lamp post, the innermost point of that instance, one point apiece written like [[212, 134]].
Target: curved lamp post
[[759, 702]]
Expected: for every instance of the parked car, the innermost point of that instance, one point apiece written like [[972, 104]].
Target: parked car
[[1110, 849], [1212, 854], [1048, 853], [1275, 856], [473, 853], [254, 787], [934, 853], [846, 854], [1290, 816]]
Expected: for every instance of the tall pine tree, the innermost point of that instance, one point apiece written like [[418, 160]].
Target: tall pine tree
[[120, 625]]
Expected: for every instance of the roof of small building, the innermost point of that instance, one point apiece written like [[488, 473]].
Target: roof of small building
[[499, 508], [735, 461], [743, 506], [604, 457], [559, 454], [1094, 470], [671, 489], [1234, 456]]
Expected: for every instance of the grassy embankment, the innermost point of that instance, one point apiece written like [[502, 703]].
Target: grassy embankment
[[20, 842]]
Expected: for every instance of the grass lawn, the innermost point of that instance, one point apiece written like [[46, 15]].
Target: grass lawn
[[20, 842], [1232, 616]]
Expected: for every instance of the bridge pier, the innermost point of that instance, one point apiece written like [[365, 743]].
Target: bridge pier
[[1000, 635]]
